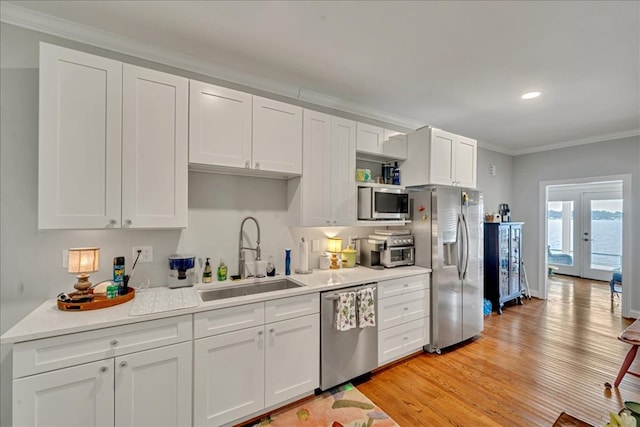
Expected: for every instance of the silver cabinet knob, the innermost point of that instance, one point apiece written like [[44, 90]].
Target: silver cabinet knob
[[247, 164], [127, 222], [123, 364], [103, 369], [257, 166], [272, 330], [113, 343], [112, 223], [260, 332]]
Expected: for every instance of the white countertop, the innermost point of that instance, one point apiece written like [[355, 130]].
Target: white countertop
[[48, 321]]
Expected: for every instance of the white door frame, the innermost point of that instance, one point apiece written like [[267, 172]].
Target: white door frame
[[626, 231]]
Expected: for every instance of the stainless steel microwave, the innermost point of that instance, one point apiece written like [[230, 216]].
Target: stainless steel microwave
[[380, 203]]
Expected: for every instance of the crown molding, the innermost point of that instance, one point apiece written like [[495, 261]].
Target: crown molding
[[581, 141], [36, 21]]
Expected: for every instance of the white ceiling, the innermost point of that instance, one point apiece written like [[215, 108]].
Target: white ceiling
[[458, 66]]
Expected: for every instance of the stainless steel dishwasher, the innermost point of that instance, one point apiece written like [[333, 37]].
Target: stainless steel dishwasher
[[345, 354]]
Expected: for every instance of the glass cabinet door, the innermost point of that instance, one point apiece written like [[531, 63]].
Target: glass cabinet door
[[504, 260]]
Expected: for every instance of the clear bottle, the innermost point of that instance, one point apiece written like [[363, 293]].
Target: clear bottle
[[271, 267], [222, 271], [207, 274]]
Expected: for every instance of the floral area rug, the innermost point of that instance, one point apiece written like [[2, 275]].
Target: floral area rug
[[342, 406]]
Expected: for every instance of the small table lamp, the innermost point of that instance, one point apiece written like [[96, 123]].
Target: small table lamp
[[334, 246], [83, 261]]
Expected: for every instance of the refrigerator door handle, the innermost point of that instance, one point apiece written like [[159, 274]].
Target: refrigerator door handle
[[466, 247], [459, 246]]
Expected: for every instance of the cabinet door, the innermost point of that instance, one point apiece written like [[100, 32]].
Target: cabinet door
[[154, 149], [219, 126], [229, 376], [153, 387], [78, 396], [79, 140], [277, 136], [441, 157], [394, 144], [466, 159], [292, 358], [317, 178], [343, 165], [369, 139]]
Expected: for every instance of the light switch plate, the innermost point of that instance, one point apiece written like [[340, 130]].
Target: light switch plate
[[315, 245]]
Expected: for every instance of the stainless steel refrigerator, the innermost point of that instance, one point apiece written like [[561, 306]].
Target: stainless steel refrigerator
[[447, 228]]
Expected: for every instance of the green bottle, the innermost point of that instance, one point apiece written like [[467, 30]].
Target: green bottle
[[222, 271]]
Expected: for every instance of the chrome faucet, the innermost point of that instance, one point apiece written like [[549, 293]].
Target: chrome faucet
[[241, 248]]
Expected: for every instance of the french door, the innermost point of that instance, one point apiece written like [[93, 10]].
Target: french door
[[601, 236], [585, 233]]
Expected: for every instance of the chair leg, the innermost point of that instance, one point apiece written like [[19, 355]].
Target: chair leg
[[626, 364]]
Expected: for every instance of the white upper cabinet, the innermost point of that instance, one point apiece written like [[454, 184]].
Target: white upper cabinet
[[374, 143], [325, 195], [219, 125], [277, 136], [238, 133], [439, 157], [113, 144], [369, 138], [80, 135], [154, 149]]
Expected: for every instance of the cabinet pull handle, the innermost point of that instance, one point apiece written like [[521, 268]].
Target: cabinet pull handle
[[259, 332], [113, 343], [247, 164], [257, 167], [272, 330], [103, 369], [406, 308], [123, 364]]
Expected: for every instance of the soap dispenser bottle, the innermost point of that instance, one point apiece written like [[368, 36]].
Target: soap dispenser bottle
[[207, 274], [271, 267], [222, 271]]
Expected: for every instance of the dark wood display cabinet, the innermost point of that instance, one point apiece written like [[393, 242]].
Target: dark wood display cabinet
[[502, 263]]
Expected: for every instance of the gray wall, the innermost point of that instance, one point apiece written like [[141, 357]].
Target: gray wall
[[496, 189], [616, 157]]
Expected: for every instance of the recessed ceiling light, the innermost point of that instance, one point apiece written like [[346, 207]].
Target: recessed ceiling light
[[531, 95]]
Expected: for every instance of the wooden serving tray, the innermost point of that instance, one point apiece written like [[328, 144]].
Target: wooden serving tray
[[99, 301]]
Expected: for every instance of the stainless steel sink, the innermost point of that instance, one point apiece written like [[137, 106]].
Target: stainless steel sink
[[241, 290]]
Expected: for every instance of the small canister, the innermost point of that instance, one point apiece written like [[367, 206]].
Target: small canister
[[325, 261]]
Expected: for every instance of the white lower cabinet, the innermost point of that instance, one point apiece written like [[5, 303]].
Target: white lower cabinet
[[292, 358], [126, 383], [77, 396], [238, 373], [403, 317]]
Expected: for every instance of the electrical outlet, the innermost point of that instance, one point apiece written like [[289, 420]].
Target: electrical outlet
[[146, 254]]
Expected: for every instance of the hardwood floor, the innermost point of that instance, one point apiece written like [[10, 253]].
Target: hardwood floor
[[530, 364]]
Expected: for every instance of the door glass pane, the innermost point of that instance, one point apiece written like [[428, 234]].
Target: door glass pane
[[606, 234], [560, 233]]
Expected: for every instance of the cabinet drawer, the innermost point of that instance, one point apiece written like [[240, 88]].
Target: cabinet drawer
[[230, 319], [393, 311], [288, 308], [402, 340], [32, 357], [403, 285]]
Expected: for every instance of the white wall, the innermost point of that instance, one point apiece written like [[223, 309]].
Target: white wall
[[593, 160]]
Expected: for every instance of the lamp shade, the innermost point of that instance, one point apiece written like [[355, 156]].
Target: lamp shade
[[84, 260], [335, 244]]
